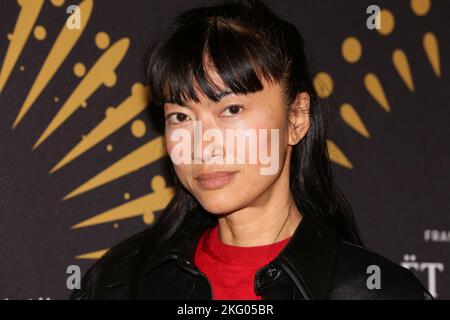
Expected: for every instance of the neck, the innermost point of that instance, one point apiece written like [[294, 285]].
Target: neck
[[253, 227], [260, 222]]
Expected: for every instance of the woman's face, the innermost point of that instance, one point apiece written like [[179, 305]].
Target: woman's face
[[213, 146]]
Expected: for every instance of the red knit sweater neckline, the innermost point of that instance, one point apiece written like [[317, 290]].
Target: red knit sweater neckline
[[231, 269], [238, 255]]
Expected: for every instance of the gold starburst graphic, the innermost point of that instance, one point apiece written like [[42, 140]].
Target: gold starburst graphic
[[352, 52]]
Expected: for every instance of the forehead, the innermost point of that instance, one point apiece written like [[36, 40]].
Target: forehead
[[203, 83], [212, 76]]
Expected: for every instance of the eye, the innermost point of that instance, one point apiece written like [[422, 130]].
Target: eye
[[232, 110], [177, 117]]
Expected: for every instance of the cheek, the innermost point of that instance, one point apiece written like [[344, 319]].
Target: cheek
[[184, 175], [182, 170], [169, 144], [252, 184], [271, 141], [178, 145]]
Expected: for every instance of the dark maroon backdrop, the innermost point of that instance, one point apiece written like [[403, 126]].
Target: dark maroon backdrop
[[398, 186]]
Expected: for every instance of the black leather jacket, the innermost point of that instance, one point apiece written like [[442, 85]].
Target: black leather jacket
[[313, 265]]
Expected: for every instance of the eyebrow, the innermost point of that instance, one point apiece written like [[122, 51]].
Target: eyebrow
[[224, 93], [220, 96]]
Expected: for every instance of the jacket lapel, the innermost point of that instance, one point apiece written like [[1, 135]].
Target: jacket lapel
[[183, 244], [310, 259]]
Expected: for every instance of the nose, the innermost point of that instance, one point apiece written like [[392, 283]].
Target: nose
[[207, 142]]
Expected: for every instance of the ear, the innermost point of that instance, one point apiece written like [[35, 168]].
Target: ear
[[299, 118]]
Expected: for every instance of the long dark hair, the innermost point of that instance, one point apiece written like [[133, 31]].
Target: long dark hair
[[245, 40]]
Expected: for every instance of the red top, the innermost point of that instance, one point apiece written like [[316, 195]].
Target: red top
[[231, 269]]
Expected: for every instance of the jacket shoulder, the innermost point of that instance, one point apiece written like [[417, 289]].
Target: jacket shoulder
[[364, 274], [98, 282]]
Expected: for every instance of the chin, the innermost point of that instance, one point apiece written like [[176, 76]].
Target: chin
[[218, 206]]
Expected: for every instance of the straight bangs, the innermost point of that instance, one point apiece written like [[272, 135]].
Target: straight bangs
[[183, 62]]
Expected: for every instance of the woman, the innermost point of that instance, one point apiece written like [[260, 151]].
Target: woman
[[275, 228]]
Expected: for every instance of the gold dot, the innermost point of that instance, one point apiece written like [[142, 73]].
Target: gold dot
[[148, 217], [158, 183], [110, 80], [138, 128], [9, 36], [79, 69], [351, 49], [109, 148], [102, 40], [116, 225], [387, 22], [56, 99], [40, 33], [109, 111], [84, 104], [22, 68], [126, 196], [323, 83], [420, 7], [138, 89], [57, 3]]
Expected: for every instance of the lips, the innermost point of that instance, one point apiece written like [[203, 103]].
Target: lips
[[216, 179]]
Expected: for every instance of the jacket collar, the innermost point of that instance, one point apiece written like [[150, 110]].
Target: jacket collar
[[309, 257]]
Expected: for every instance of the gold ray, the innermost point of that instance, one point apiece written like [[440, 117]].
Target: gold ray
[[352, 118], [114, 120], [134, 161], [29, 12], [431, 47], [101, 73], [94, 255], [337, 156], [63, 45], [400, 61], [374, 87], [155, 201]]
